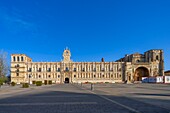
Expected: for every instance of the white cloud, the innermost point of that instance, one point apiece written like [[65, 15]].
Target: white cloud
[[15, 22]]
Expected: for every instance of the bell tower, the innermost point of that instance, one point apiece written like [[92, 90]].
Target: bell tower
[[66, 55]]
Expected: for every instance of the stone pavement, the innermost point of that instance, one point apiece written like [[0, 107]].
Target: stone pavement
[[73, 98]]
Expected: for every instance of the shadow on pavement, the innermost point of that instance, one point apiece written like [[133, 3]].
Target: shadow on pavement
[[72, 101]]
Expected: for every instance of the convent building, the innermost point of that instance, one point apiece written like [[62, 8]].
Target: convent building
[[130, 68]]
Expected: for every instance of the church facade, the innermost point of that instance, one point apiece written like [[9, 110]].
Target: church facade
[[129, 68]]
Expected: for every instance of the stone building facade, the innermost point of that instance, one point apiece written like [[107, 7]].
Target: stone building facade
[[130, 68]]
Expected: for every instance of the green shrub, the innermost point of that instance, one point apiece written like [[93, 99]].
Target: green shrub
[[45, 82], [38, 83], [3, 80], [50, 82], [25, 85], [13, 83], [106, 82], [33, 82]]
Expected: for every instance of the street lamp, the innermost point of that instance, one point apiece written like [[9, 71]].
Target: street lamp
[[29, 78]]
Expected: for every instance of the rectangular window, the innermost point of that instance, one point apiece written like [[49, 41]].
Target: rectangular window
[[18, 58], [29, 70], [22, 59], [94, 69], [49, 70], [74, 69], [39, 70], [14, 58], [67, 69]]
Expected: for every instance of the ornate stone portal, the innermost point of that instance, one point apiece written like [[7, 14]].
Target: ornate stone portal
[[130, 68], [141, 72]]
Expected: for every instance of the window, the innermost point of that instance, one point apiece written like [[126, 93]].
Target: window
[[83, 69], [58, 76], [22, 59], [17, 74], [74, 76], [17, 70], [29, 70], [39, 76], [18, 58], [94, 76], [74, 69], [17, 65], [49, 69], [39, 70], [103, 69], [58, 70], [14, 59], [49, 76], [157, 57], [67, 69]]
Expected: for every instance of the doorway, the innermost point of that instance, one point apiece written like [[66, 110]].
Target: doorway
[[66, 80]]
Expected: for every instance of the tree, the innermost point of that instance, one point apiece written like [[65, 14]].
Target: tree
[[3, 67]]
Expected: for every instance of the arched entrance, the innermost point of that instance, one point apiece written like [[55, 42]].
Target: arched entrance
[[141, 72], [66, 80]]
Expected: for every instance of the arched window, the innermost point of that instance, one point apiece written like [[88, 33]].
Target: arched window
[[157, 57]]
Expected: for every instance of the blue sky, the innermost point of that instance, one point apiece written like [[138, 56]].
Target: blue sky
[[92, 29]]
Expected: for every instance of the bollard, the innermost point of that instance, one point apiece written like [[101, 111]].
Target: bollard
[[92, 86]]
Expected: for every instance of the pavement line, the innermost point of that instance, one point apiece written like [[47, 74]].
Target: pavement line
[[58, 103], [124, 106]]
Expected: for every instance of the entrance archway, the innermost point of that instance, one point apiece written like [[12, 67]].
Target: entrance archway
[[66, 80], [141, 72]]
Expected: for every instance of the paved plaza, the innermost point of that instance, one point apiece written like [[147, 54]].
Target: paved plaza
[[79, 98]]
